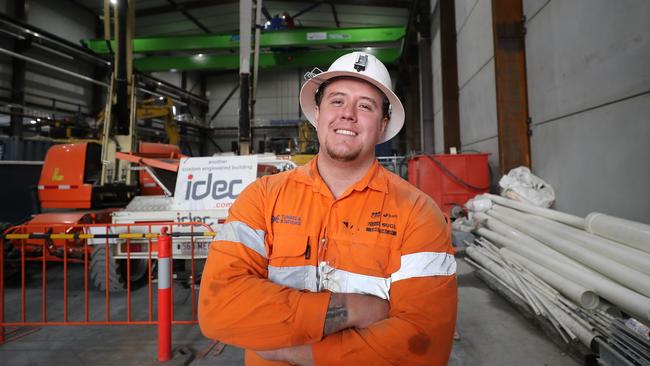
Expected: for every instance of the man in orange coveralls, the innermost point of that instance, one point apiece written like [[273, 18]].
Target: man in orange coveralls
[[338, 262]]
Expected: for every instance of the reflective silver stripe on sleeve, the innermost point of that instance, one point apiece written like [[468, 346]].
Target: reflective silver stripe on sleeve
[[299, 277], [338, 280], [239, 232], [425, 264]]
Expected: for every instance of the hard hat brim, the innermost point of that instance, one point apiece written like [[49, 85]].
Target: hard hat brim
[[308, 101]]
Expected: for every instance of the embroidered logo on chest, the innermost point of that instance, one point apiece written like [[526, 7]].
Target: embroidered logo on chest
[[382, 223], [286, 219]]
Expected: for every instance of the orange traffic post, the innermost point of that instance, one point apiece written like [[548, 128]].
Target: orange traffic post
[[164, 297]]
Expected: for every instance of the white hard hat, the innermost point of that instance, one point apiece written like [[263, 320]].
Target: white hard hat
[[363, 66]]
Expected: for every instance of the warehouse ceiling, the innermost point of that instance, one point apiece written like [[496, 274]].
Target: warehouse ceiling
[[193, 17], [204, 35]]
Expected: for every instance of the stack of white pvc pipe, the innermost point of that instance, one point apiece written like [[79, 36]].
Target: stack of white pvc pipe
[[563, 265]]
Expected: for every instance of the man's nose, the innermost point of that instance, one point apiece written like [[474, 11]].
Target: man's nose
[[349, 112]]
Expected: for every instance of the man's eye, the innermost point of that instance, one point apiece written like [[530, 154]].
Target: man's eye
[[365, 107], [336, 102]]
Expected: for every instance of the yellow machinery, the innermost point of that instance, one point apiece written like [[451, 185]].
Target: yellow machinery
[[151, 108]]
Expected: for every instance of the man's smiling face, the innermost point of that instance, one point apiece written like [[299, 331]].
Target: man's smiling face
[[350, 119]]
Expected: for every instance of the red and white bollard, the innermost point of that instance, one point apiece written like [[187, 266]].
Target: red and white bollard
[[164, 297]]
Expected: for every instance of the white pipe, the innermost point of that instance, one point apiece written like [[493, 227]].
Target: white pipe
[[634, 258], [538, 302], [554, 315], [553, 319], [256, 54], [631, 233], [612, 269], [577, 293], [503, 229], [584, 335], [525, 290], [489, 264], [566, 218], [492, 266], [632, 302], [488, 273]]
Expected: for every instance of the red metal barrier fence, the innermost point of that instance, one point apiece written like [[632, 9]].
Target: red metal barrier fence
[[108, 264]]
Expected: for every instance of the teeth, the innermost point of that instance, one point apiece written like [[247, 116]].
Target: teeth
[[346, 132]]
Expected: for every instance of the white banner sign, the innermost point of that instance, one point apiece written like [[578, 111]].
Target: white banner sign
[[212, 182]]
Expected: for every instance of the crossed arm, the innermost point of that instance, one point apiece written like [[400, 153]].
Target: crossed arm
[[343, 311]]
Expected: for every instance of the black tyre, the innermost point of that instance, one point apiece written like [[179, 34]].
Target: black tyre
[[199, 265], [117, 271]]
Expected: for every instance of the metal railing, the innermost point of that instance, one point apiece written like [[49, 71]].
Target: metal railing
[[47, 273]]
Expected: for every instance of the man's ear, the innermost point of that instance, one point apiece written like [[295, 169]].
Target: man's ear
[[383, 124], [316, 116]]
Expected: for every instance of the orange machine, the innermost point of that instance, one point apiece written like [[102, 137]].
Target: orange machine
[[71, 172], [68, 175], [148, 186], [70, 193]]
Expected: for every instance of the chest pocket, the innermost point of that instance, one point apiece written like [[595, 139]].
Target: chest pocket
[[370, 259], [288, 263]]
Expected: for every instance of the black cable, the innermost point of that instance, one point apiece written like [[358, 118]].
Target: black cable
[[456, 178]]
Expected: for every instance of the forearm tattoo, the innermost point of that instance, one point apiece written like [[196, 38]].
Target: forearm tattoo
[[336, 317]]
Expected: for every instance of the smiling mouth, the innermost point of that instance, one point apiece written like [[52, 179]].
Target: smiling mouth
[[345, 132]]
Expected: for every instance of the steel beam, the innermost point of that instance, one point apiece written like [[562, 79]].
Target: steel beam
[[289, 38], [308, 9], [449, 68], [267, 60], [121, 107], [245, 23], [18, 71], [182, 10], [335, 15], [199, 4], [511, 84]]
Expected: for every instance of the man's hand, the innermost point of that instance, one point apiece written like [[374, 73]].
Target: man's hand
[[353, 311], [344, 311], [298, 355]]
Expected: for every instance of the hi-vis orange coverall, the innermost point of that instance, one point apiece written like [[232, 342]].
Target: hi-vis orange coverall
[[287, 244]]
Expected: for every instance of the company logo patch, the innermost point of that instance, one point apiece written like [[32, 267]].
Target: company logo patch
[[382, 223], [56, 175], [286, 219]]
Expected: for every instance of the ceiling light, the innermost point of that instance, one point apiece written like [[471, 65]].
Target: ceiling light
[[32, 122]]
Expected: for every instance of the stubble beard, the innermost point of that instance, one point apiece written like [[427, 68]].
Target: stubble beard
[[342, 156]]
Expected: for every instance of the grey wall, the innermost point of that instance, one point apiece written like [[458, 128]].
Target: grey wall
[[63, 18], [277, 103], [72, 23], [589, 99], [476, 82], [476, 79]]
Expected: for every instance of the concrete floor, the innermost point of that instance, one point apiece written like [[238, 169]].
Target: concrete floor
[[492, 332]]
